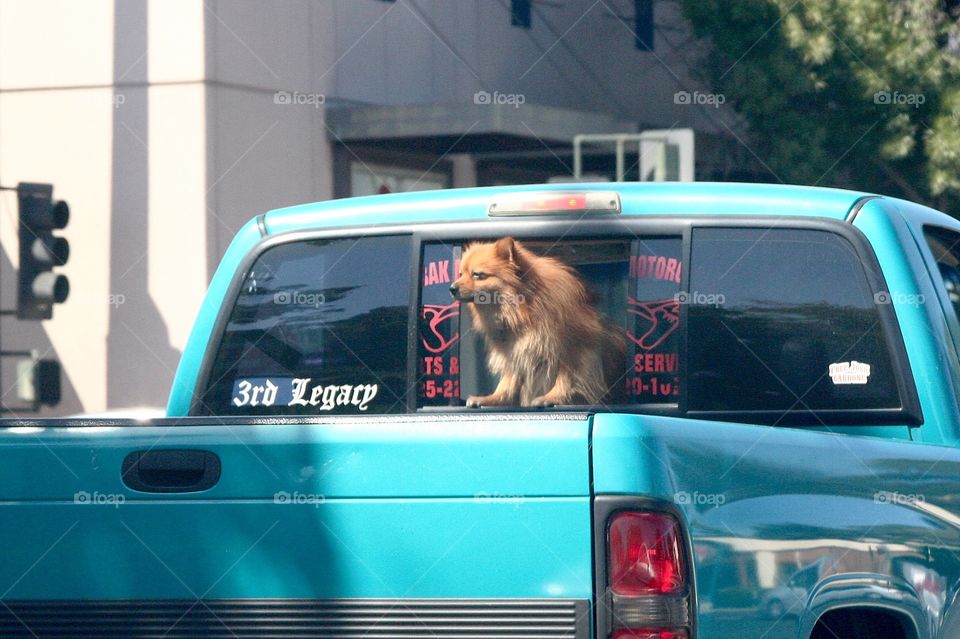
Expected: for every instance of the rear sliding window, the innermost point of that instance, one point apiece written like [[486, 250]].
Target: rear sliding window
[[768, 321], [634, 284]]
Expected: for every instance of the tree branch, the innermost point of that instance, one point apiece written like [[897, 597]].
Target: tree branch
[[899, 180]]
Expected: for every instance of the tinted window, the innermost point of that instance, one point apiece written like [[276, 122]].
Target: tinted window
[[319, 327], [945, 246], [783, 319]]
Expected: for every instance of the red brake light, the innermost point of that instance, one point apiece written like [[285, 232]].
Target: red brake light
[[571, 201], [649, 633], [645, 556], [555, 202]]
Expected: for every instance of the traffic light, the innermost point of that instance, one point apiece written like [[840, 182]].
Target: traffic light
[[39, 288]]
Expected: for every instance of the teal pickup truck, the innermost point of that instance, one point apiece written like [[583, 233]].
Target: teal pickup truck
[[781, 459]]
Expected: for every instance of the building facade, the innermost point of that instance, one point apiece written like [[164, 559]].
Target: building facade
[[166, 124]]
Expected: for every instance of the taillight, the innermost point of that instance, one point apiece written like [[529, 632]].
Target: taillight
[[645, 555], [647, 589]]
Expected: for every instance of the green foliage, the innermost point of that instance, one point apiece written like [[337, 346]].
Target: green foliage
[[859, 93]]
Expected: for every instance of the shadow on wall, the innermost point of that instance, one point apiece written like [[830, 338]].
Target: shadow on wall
[[140, 360]]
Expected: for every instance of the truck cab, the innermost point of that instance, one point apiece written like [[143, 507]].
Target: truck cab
[[781, 463]]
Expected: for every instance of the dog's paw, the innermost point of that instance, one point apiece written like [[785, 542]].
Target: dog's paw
[[476, 401], [543, 400]]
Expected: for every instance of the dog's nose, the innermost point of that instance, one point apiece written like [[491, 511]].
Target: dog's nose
[[454, 289]]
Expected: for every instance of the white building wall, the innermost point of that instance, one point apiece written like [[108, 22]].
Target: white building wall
[[106, 101], [56, 125]]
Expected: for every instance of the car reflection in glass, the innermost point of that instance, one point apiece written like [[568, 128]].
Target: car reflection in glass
[[790, 598]]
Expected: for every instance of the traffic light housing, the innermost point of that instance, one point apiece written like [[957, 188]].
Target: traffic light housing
[[38, 381], [39, 288]]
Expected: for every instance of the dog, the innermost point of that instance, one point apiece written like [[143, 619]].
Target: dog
[[544, 339]]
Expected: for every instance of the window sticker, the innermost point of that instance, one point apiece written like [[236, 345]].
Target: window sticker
[[653, 311], [853, 372], [301, 391], [439, 361]]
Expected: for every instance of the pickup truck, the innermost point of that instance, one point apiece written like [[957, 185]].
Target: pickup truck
[[783, 463]]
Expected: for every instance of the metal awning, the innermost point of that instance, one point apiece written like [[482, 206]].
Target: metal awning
[[472, 128]]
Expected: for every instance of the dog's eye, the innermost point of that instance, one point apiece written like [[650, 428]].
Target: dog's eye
[[477, 275]]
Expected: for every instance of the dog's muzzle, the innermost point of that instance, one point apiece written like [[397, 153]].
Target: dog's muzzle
[[455, 293]]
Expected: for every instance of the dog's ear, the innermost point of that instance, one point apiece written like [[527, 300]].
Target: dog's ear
[[506, 249]]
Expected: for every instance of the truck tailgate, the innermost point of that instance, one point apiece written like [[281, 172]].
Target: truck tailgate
[[468, 508]]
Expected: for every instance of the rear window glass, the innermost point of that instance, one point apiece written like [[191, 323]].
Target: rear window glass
[[781, 320], [776, 321], [319, 327]]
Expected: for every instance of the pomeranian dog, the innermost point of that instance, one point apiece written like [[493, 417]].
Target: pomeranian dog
[[544, 339]]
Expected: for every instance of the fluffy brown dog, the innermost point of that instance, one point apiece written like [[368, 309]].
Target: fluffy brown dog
[[544, 339]]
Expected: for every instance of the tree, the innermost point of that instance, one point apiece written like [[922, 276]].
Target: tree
[[856, 93]]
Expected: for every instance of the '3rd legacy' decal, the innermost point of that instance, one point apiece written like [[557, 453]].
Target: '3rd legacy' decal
[[298, 391]]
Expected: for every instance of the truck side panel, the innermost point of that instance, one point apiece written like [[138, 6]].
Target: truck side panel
[[779, 518]]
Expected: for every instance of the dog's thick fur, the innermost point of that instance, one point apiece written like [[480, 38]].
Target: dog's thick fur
[[544, 339]]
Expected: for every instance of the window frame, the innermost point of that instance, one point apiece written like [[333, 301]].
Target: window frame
[[601, 227]]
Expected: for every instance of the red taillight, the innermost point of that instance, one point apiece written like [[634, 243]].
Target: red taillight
[[649, 633], [648, 592], [645, 555]]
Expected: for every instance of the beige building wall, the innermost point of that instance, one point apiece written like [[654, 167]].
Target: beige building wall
[[56, 125], [158, 121], [163, 146]]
